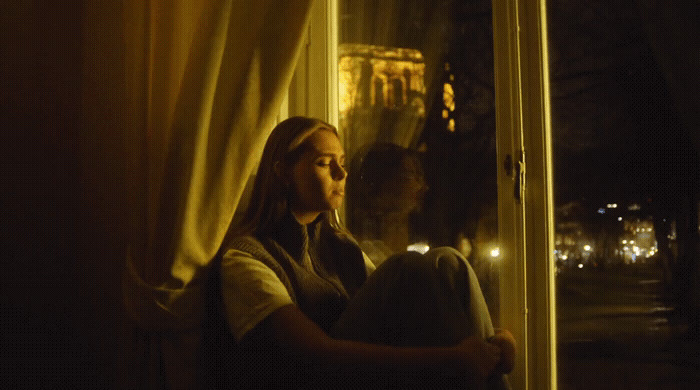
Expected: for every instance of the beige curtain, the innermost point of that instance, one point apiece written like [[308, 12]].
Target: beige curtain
[[203, 84]]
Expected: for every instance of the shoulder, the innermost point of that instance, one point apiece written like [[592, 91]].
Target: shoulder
[[247, 254], [243, 243], [246, 246], [246, 250], [243, 256], [245, 263]]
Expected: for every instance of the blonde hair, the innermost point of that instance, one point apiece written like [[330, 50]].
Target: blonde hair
[[269, 201]]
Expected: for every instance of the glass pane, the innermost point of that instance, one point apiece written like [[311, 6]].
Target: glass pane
[[626, 206], [418, 120]]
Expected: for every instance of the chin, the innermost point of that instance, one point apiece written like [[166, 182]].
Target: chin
[[334, 205]]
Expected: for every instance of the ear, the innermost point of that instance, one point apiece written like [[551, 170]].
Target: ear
[[277, 169], [279, 172]]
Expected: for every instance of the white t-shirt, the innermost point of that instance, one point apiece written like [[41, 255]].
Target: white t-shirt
[[252, 291]]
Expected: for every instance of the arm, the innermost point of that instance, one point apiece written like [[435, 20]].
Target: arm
[[289, 329], [506, 342], [261, 315]]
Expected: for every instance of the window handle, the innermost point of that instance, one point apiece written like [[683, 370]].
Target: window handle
[[519, 185]]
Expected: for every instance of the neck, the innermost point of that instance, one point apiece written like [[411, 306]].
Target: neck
[[305, 217]]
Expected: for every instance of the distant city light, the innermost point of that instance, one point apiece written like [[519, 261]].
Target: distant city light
[[495, 252], [564, 257], [451, 125], [624, 241], [612, 205], [601, 211], [580, 265], [633, 207], [619, 218], [587, 248], [448, 96], [631, 241]]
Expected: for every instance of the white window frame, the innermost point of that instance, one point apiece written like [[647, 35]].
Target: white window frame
[[523, 132], [314, 88]]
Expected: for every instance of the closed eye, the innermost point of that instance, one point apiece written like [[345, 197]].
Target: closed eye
[[326, 161]]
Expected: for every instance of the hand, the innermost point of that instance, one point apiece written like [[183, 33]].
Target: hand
[[506, 342], [480, 356]]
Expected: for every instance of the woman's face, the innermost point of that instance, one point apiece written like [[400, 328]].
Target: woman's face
[[318, 178], [406, 189]]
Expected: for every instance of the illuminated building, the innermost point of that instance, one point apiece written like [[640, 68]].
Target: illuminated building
[[381, 94], [376, 76], [638, 241]]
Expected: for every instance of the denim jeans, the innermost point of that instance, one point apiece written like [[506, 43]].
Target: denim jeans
[[419, 301]]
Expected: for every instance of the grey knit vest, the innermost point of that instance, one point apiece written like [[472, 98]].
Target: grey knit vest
[[338, 268]]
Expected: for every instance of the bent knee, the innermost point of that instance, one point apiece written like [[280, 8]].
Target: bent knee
[[445, 251], [405, 261], [441, 260], [447, 259]]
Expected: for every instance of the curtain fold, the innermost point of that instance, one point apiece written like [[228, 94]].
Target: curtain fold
[[204, 82]]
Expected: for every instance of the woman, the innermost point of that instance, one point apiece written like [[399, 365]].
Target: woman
[[387, 187], [308, 309]]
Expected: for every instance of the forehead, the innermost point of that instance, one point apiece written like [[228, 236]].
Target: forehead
[[410, 163], [324, 141]]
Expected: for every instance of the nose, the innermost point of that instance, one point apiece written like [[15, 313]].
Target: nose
[[424, 186], [338, 172], [420, 183]]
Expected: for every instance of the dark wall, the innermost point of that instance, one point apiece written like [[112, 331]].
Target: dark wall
[[46, 341]]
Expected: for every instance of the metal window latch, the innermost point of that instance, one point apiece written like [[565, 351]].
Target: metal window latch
[[519, 185], [519, 177]]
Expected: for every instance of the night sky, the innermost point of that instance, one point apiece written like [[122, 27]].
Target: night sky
[[617, 134]]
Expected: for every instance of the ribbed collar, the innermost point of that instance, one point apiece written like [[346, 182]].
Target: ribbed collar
[[295, 238]]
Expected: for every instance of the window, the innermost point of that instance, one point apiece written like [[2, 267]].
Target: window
[[623, 162], [446, 83], [419, 178]]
